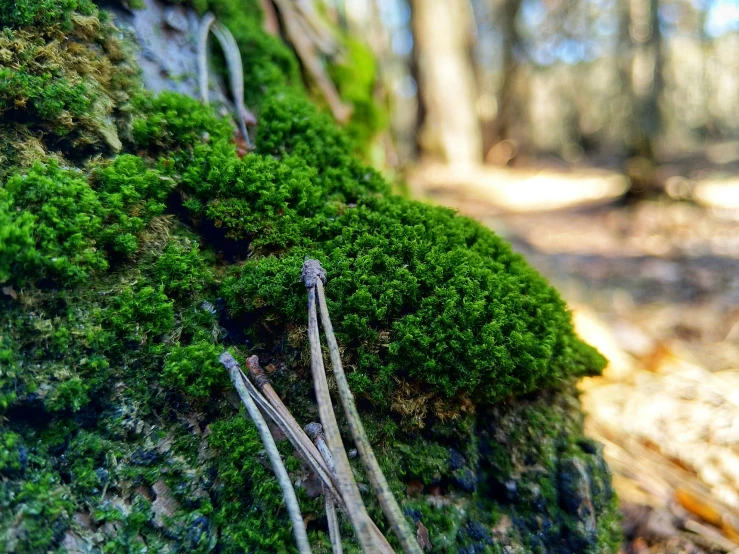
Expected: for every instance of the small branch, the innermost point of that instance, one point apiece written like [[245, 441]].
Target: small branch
[[307, 53], [271, 24], [277, 411], [291, 501], [315, 431], [203, 30], [356, 512], [389, 504], [319, 458], [334, 532]]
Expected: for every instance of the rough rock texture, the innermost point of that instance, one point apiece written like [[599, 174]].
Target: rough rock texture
[[136, 245]]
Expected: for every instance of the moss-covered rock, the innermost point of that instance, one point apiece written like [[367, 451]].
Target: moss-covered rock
[[124, 274]]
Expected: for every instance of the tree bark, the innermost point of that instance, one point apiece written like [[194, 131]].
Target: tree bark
[[647, 73], [450, 128], [510, 105]]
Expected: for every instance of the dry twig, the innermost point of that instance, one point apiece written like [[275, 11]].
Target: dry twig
[[316, 455], [356, 512], [315, 431], [389, 505], [291, 501], [306, 51]]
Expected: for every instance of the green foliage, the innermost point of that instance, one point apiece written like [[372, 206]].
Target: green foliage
[[420, 460], [69, 81], [22, 13], [422, 300], [11, 453], [355, 76], [183, 270], [56, 226], [257, 198], [172, 121], [51, 217], [132, 196], [142, 313], [195, 370], [290, 124], [418, 292], [39, 508]]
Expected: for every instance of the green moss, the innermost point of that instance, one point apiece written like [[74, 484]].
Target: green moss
[[419, 293], [23, 13], [67, 76], [355, 75], [142, 313], [40, 510], [183, 270], [132, 196], [50, 217], [290, 124], [195, 370], [251, 509], [171, 121], [124, 290]]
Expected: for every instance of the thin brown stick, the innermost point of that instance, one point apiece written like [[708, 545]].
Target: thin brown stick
[[334, 532], [271, 24], [291, 501], [315, 431], [279, 413], [387, 500], [307, 53], [321, 461], [356, 512]]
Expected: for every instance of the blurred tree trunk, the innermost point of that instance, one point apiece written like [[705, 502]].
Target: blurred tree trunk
[[450, 128], [511, 106], [646, 77]]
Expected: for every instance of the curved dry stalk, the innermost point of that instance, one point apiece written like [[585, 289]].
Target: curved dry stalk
[[291, 501], [355, 510], [235, 70], [203, 30], [389, 504], [279, 413]]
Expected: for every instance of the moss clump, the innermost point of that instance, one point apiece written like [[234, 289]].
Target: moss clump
[[52, 218], [183, 269], [355, 75], [62, 224], [142, 313], [44, 13], [64, 73], [171, 121], [132, 195], [194, 369], [251, 506], [418, 293]]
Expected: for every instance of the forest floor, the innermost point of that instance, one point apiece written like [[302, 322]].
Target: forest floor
[[655, 286]]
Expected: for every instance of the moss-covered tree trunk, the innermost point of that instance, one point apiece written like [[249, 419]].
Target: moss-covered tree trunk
[[136, 244]]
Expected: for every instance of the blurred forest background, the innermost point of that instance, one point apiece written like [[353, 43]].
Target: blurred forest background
[[601, 137], [621, 84]]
